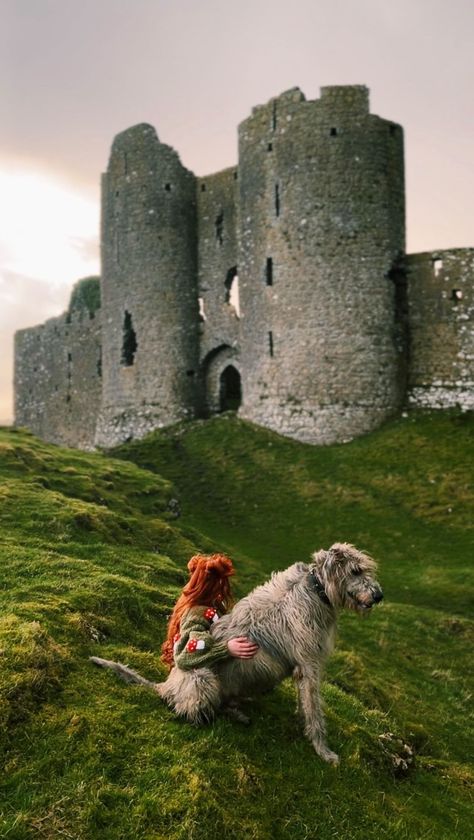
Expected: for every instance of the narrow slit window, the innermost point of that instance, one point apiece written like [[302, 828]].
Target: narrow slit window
[[270, 343], [129, 342], [269, 271], [220, 228], [277, 199], [202, 314], [274, 116], [333, 132], [270, 147], [203, 188], [168, 187]]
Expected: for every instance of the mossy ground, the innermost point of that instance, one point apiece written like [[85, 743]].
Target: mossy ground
[[92, 560]]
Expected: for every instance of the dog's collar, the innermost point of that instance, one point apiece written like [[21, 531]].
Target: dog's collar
[[318, 587]]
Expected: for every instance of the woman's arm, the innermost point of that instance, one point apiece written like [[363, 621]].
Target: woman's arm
[[195, 647]]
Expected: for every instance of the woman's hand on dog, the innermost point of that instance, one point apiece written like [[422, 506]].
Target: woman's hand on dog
[[242, 648]]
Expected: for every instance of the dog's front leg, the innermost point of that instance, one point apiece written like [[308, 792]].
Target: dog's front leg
[[308, 680]]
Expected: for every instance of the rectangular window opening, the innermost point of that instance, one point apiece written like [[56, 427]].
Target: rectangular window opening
[[277, 199], [269, 271]]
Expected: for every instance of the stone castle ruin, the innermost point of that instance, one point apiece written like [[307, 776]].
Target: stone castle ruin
[[279, 287]]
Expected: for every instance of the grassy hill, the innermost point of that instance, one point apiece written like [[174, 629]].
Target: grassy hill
[[92, 558]]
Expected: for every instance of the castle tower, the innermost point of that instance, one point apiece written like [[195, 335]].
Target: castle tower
[[149, 288], [321, 186]]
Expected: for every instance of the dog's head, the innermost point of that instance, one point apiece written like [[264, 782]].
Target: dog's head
[[348, 577]]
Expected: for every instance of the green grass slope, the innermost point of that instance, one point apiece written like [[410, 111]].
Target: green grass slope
[[91, 560]]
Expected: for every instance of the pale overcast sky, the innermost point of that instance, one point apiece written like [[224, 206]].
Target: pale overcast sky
[[76, 72]]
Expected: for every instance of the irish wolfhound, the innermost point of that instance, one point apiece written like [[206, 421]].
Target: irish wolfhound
[[292, 618]]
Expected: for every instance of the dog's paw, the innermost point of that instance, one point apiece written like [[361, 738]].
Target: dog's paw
[[326, 754]]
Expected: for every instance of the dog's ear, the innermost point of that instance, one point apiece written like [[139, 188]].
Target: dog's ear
[[317, 559], [331, 561]]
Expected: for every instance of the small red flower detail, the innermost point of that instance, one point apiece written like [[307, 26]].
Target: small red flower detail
[[191, 646], [209, 614], [176, 637]]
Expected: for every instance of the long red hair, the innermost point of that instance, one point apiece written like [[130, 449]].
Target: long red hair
[[209, 585]]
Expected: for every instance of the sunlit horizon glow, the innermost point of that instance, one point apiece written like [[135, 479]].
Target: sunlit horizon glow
[[48, 229]]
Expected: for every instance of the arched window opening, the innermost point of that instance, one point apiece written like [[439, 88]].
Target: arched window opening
[[129, 343], [232, 290], [230, 391]]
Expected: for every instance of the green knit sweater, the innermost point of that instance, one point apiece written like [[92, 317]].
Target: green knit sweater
[[193, 646]]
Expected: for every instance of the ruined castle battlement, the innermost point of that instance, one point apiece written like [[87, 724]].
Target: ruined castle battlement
[[279, 287]]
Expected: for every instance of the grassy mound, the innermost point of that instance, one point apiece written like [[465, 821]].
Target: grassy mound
[[92, 557]]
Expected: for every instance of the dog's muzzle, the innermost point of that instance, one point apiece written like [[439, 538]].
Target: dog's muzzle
[[367, 601], [377, 596]]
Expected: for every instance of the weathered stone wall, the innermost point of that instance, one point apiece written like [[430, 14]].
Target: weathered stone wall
[[321, 194], [217, 278], [149, 268], [440, 288], [58, 372]]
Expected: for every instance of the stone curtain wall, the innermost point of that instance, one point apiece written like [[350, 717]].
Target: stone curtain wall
[[149, 267], [321, 188], [441, 325], [58, 382]]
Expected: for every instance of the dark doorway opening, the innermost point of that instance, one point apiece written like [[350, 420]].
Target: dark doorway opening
[[230, 391]]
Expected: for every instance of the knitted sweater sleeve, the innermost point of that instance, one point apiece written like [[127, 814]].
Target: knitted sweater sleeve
[[194, 646]]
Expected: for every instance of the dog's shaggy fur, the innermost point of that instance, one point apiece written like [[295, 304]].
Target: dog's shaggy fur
[[292, 618]]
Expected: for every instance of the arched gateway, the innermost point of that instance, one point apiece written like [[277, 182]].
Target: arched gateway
[[222, 381], [230, 392]]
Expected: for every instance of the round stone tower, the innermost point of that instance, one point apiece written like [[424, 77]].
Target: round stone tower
[[321, 227], [149, 292]]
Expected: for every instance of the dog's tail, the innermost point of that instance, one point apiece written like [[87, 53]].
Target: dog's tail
[[193, 695], [126, 674]]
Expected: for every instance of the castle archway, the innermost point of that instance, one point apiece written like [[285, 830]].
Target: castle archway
[[230, 391], [222, 380]]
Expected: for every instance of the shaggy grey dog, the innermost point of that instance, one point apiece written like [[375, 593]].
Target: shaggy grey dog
[[292, 618]]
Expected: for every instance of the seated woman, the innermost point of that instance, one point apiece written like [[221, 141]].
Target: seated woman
[[207, 595]]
